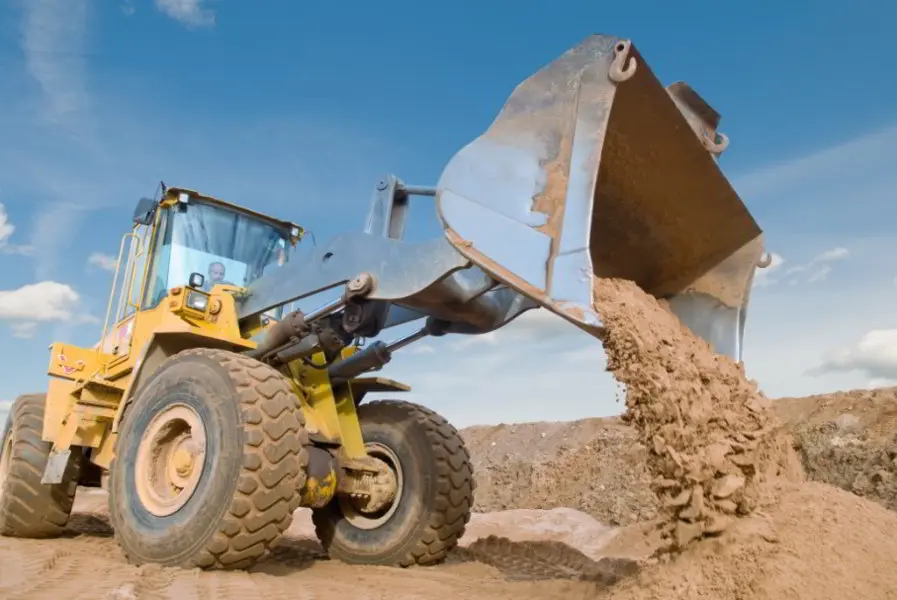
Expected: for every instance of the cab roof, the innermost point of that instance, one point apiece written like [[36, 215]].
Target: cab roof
[[174, 192]]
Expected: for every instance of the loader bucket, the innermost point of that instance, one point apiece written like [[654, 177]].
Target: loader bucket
[[594, 169]]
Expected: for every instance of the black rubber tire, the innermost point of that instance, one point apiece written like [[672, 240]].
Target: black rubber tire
[[436, 500], [29, 508], [255, 464]]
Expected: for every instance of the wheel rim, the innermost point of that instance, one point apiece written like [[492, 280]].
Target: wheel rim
[[170, 460], [5, 453], [363, 520]]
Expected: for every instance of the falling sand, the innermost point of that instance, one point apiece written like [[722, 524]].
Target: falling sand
[[737, 521], [712, 441]]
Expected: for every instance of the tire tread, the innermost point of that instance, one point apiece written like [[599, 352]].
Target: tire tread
[[29, 508], [273, 470], [455, 486]]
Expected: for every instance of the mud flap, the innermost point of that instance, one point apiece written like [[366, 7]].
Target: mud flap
[[594, 169]]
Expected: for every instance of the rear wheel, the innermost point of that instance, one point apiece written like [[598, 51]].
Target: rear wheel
[[209, 462], [29, 508], [431, 495]]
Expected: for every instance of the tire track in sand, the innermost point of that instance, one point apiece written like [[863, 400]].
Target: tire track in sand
[[74, 570], [88, 565]]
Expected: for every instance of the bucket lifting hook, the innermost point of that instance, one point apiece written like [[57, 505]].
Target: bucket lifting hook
[[617, 72]]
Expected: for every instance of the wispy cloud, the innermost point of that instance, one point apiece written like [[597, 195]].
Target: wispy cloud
[[192, 13], [23, 330], [53, 42], [833, 254], [845, 190], [815, 270], [7, 229], [107, 262]]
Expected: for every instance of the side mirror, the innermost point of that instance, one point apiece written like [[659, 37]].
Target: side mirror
[[144, 211]]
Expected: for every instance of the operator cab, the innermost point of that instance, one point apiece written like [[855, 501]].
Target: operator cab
[[199, 241]]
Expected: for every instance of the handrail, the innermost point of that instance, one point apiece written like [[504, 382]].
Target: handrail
[[105, 332]]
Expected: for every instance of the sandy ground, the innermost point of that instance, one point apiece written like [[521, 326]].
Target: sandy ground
[[534, 562], [817, 542]]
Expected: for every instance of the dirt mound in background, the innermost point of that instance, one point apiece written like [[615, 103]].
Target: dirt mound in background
[[713, 443], [596, 466], [816, 543], [848, 439]]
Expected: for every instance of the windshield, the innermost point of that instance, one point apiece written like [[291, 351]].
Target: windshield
[[223, 245]]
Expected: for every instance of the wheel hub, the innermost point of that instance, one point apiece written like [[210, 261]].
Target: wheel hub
[[373, 509], [170, 459], [383, 489]]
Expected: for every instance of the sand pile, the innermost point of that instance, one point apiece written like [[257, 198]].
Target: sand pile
[[712, 440], [816, 543], [600, 461], [848, 439]]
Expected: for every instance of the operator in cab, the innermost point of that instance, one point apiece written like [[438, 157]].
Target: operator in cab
[[216, 275]]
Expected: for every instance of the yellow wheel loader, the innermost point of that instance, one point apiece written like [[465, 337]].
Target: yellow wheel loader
[[215, 413]]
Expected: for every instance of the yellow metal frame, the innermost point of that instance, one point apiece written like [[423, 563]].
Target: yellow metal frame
[[89, 388]]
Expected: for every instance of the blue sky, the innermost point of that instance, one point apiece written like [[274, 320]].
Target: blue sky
[[297, 109]]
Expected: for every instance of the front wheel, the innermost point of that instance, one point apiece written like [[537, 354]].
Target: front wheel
[[433, 493], [209, 460]]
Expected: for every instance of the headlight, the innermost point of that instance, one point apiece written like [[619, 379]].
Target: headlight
[[197, 301]]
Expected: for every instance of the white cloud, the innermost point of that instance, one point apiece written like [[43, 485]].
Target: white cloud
[[106, 262], [874, 355], [6, 231], [188, 12], [127, 7], [47, 301], [6, 228], [44, 301]]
